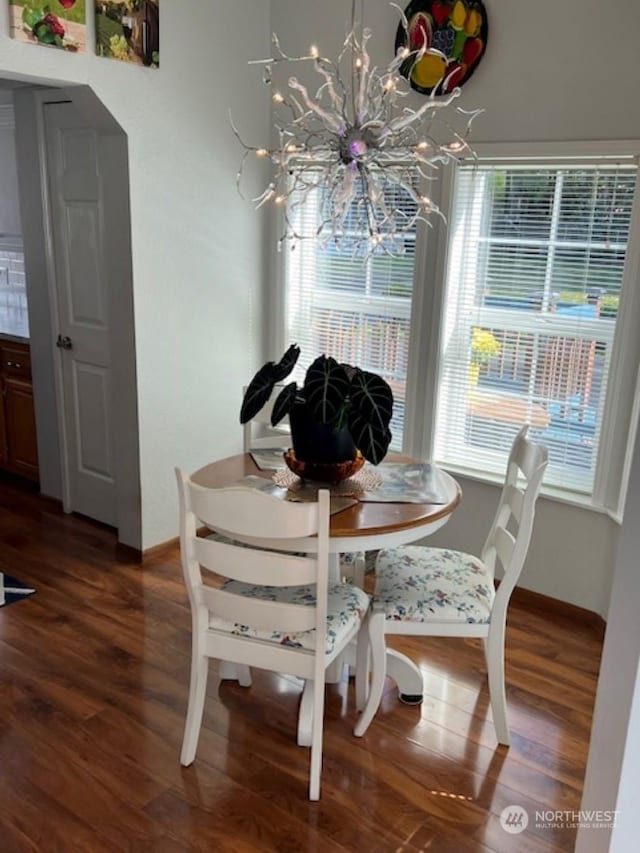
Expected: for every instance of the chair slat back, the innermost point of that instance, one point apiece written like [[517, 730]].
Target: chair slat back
[[246, 512], [263, 615], [258, 432], [504, 544], [256, 564], [510, 534], [514, 501]]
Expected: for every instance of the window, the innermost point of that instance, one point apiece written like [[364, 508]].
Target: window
[[354, 309], [537, 319], [535, 271]]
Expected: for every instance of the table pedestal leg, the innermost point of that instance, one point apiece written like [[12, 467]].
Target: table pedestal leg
[[407, 676]]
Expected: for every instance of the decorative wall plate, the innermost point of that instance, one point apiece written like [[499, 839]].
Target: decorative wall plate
[[454, 33]]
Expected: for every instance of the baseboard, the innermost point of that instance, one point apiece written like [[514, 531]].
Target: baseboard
[[550, 607], [160, 550]]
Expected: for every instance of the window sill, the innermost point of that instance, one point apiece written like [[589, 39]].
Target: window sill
[[549, 492]]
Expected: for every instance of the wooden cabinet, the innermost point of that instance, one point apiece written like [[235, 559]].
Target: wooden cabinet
[[18, 446]]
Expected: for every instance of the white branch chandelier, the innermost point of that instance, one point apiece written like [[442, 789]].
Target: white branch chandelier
[[354, 141]]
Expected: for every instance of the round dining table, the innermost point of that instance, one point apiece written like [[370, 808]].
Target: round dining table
[[365, 526]]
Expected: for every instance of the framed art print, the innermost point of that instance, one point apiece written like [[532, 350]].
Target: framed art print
[[53, 23], [129, 30]]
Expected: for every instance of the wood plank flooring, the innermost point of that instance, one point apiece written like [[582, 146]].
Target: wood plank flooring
[[93, 687]]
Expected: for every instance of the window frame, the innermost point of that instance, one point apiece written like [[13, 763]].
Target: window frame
[[622, 404]]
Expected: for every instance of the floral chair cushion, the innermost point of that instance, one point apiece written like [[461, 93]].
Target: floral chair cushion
[[347, 606], [418, 584]]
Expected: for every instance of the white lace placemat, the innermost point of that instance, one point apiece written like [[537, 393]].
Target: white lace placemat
[[364, 481]]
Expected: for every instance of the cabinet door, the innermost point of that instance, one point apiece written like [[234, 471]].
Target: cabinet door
[[16, 361], [22, 448]]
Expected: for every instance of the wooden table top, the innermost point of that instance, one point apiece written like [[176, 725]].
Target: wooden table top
[[363, 519]]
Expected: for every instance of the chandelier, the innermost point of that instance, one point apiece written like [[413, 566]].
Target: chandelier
[[359, 144]]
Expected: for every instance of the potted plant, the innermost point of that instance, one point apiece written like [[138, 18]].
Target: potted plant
[[339, 409]]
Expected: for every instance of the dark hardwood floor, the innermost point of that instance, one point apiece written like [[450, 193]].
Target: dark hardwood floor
[[94, 672]]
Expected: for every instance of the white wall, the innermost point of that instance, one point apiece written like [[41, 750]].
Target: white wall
[[9, 207], [613, 769], [554, 72], [198, 248], [624, 836], [558, 72]]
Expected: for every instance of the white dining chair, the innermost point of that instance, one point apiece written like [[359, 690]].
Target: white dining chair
[[437, 592], [274, 611]]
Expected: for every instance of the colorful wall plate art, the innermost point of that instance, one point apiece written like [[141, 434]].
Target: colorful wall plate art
[[454, 33], [129, 30], [54, 23]]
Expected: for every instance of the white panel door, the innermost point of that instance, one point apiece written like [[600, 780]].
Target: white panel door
[[77, 229]]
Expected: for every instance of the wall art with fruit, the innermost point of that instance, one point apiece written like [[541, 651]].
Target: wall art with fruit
[[447, 39], [129, 30], [54, 23]]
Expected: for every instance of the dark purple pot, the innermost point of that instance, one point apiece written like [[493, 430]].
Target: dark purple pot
[[319, 443]]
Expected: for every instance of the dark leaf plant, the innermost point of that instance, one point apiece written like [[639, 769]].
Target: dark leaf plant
[[334, 394]]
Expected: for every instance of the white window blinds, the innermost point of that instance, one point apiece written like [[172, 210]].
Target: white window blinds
[[534, 277], [356, 310]]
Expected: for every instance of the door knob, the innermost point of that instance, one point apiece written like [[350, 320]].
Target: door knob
[[64, 342]]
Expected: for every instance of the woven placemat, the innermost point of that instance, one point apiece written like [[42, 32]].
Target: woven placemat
[[364, 481]]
